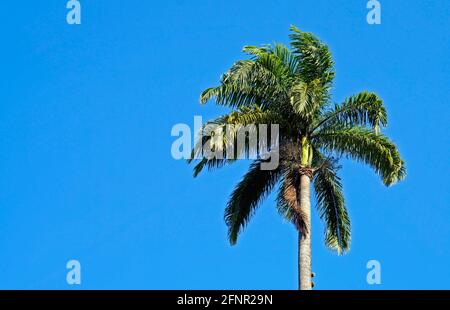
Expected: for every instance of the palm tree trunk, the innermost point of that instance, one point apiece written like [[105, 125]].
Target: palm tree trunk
[[304, 238]]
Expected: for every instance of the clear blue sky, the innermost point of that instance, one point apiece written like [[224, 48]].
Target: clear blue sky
[[86, 171]]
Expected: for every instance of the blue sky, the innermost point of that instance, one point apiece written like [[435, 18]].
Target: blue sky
[[86, 171]]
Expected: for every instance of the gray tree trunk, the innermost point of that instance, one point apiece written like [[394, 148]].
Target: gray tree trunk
[[304, 239]]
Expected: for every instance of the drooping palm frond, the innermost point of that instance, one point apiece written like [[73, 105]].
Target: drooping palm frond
[[363, 109], [366, 146], [331, 205], [247, 195]]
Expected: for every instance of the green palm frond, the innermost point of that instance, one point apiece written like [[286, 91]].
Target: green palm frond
[[314, 57], [363, 109], [249, 115], [280, 54], [247, 195], [237, 87], [366, 146], [264, 58], [331, 206], [307, 98], [261, 81]]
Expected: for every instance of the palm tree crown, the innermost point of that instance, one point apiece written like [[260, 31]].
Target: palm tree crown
[[292, 88]]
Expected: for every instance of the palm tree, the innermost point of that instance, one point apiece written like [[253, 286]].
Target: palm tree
[[292, 88]]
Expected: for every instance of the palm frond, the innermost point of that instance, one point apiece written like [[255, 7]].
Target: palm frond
[[278, 53], [331, 205], [261, 81], [307, 98], [363, 109], [366, 146], [247, 195]]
